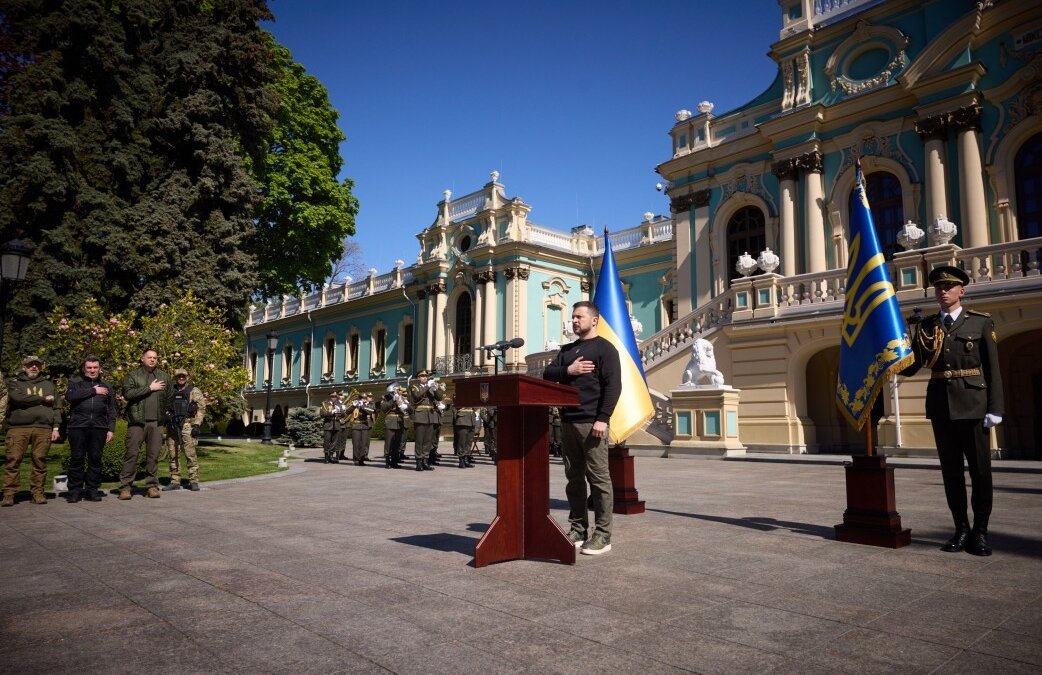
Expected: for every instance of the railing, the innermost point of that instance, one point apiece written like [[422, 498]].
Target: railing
[[829, 9], [330, 295], [680, 334], [544, 236], [1009, 260], [459, 363], [466, 207]]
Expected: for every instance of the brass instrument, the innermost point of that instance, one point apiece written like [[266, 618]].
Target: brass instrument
[[348, 412]]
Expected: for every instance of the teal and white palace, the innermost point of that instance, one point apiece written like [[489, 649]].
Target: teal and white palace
[[941, 100]]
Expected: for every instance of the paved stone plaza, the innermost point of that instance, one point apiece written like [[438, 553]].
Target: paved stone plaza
[[338, 568]]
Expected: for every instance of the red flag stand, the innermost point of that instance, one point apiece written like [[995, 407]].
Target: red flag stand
[[871, 517], [623, 481]]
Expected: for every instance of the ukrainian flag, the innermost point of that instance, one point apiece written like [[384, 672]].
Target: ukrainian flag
[[634, 408], [874, 342]]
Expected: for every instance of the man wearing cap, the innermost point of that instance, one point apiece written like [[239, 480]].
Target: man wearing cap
[[396, 409], [423, 397], [32, 422], [187, 409], [333, 417], [963, 400], [464, 421], [147, 391], [92, 422], [361, 428]]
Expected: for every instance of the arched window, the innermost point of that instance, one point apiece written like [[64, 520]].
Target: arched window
[[884, 198], [464, 345], [1027, 168], [745, 233]]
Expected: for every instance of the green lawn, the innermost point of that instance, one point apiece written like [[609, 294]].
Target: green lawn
[[218, 460]]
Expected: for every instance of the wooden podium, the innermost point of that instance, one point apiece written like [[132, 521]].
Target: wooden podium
[[523, 527]]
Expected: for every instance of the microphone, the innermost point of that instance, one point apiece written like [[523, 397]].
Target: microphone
[[504, 345]]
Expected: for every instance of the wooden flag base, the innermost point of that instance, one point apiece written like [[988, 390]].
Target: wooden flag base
[[871, 517], [623, 481]]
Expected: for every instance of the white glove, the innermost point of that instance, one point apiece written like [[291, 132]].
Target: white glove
[[992, 420], [441, 407], [432, 386]]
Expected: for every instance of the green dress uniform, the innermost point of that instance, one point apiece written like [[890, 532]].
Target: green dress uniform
[[463, 422], [334, 430], [965, 385], [394, 428], [361, 431], [425, 419]]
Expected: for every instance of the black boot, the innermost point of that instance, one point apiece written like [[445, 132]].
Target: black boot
[[462, 463], [387, 462], [419, 464], [977, 543], [426, 465], [958, 540]]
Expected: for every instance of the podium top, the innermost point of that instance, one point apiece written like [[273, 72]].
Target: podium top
[[513, 390]]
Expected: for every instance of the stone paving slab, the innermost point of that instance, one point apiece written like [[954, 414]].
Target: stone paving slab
[[346, 569]]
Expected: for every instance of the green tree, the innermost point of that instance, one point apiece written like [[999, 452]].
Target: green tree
[[306, 212]]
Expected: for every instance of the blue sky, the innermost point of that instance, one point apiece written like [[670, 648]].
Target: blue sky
[[570, 101]]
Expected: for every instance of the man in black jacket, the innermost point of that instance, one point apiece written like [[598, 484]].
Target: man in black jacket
[[590, 364], [92, 421]]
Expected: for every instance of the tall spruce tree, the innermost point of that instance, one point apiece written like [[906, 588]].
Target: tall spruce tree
[[153, 146]]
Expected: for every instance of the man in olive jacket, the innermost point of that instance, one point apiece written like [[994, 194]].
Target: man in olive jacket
[[33, 421], [147, 391]]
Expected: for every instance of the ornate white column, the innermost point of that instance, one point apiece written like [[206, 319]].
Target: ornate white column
[[488, 279], [966, 122], [479, 319], [786, 172], [685, 251], [438, 291], [813, 196], [934, 132], [431, 327]]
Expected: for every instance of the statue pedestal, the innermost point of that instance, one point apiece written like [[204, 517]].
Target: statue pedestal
[[705, 421]]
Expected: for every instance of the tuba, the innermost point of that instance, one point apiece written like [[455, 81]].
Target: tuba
[[349, 412]]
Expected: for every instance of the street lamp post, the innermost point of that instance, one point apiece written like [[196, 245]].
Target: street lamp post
[[273, 342], [14, 263]]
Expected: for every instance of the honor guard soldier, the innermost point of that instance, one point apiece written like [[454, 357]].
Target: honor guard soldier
[[395, 409], [464, 421], [489, 418], [555, 431], [424, 397], [963, 401], [187, 409], [361, 428], [334, 416]]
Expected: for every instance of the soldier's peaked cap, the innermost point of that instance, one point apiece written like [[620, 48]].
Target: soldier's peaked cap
[[948, 274]]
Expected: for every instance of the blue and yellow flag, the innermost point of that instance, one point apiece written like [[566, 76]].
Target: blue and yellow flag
[[874, 342], [634, 407]]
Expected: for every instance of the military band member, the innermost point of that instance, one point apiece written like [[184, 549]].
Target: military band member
[[489, 418], [395, 409], [464, 421], [334, 417], [963, 401], [423, 397], [361, 428], [555, 431]]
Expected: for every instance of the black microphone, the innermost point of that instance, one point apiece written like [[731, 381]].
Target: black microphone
[[517, 342]]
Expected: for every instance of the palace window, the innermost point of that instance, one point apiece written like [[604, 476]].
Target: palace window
[[1027, 167], [746, 232], [464, 327], [884, 198]]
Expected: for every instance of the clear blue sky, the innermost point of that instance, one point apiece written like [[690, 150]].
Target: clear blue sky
[[571, 101]]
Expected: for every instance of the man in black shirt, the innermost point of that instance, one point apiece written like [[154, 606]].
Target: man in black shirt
[[590, 364]]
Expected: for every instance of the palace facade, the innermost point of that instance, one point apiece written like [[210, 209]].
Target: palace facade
[[942, 103]]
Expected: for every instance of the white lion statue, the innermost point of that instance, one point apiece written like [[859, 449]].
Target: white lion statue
[[701, 369]]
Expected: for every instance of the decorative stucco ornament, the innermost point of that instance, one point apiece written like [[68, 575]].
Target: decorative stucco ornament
[[942, 231], [683, 115], [768, 261], [910, 236], [745, 266]]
